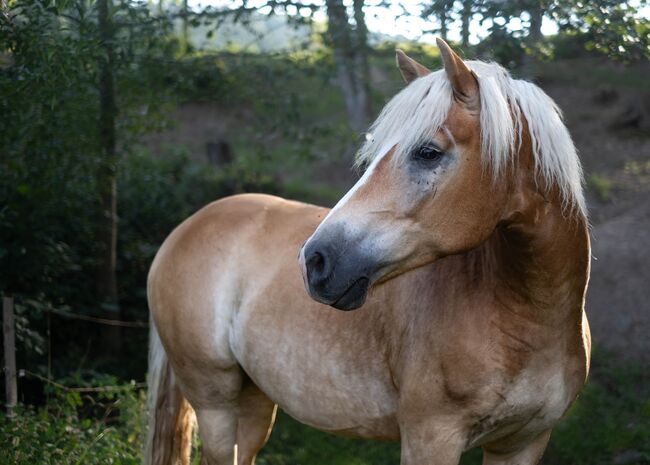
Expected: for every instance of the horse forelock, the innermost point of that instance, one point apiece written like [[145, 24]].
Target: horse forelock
[[416, 113]]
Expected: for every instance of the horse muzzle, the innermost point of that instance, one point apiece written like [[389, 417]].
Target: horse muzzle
[[334, 273]]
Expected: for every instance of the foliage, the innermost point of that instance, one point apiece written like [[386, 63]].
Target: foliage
[[46, 147], [568, 45], [50, 151], [612, 27], [49, 156], [74, 428], [48, 118], [502, 47], [616, 28]]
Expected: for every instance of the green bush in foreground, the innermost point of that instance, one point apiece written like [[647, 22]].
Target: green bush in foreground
[[75, 428], [610, 423]]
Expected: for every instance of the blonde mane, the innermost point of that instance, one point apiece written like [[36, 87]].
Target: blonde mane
[[415, 114]]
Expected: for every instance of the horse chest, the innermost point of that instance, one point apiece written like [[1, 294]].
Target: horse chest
[[322, 379], [525, 407]]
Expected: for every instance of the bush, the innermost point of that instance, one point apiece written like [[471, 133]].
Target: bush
[[74, 428]]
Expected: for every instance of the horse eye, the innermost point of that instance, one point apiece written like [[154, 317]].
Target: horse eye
[[427, 153]]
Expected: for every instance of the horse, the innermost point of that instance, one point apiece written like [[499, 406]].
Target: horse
[[440, 303]]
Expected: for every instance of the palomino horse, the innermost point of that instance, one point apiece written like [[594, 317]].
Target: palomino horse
[[465, 248]]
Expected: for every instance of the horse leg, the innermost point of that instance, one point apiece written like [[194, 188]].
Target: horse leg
[[429, 442], [256, 415], [218, 432], [530, 454], [240, 427]]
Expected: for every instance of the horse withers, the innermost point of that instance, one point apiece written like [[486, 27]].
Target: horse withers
[[463, 251]]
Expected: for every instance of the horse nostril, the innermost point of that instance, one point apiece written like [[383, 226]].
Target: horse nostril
[[316, 263]]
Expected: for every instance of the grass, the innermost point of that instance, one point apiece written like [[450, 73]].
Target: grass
[[610, 418]]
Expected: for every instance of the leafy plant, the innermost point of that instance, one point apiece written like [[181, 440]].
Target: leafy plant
[[75, 428]]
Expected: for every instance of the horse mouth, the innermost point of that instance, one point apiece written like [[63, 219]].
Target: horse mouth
[[354, 297]]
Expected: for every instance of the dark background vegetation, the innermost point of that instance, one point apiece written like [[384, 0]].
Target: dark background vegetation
[[118, 119]]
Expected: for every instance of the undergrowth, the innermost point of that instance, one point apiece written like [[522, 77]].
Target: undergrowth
[[609, 423]]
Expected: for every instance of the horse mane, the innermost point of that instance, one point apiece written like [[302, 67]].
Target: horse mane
[[416, 113]]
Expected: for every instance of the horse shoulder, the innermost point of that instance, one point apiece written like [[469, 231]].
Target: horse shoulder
[[197, 278]]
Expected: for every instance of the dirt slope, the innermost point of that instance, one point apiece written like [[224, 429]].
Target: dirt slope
[[617, 168]]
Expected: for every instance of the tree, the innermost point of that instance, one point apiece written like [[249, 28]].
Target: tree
[[442, 10], [350, 49], [466, 13], [346, 34], [106, 177], [614, 27], [61, 140], [536, 10], [106, 183], [185, 12]]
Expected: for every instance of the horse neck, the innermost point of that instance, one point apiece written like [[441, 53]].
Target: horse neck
[[541, 262], [528, 280]]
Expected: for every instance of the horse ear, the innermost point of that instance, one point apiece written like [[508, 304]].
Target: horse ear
[[408, 67], [462, 79]]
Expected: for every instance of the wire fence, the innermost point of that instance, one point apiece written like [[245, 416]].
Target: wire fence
[[11, 374], [102, 321], [133, 385]]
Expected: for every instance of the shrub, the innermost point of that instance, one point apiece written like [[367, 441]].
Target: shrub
[[75, 428]]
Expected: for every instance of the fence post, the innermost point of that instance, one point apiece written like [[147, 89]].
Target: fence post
[[9, 338]]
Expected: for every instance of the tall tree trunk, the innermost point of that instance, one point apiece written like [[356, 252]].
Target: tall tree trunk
[[443, 25], [362, 70], [186, 28], [350, 57], [443, 17], [536, 16], [106, 233], [466, 17]]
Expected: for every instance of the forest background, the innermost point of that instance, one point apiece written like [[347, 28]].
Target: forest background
[[119, 118]]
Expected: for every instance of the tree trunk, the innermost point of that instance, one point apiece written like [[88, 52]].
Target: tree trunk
[[536, 16], [466, 17], [9, 342], [362, 70], [442, 17], [350, 57], [106, 233], [186, 33]]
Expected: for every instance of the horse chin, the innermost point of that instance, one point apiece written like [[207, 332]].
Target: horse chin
[[354, 297]]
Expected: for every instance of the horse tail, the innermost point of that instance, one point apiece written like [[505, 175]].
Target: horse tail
[[170, 417]]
